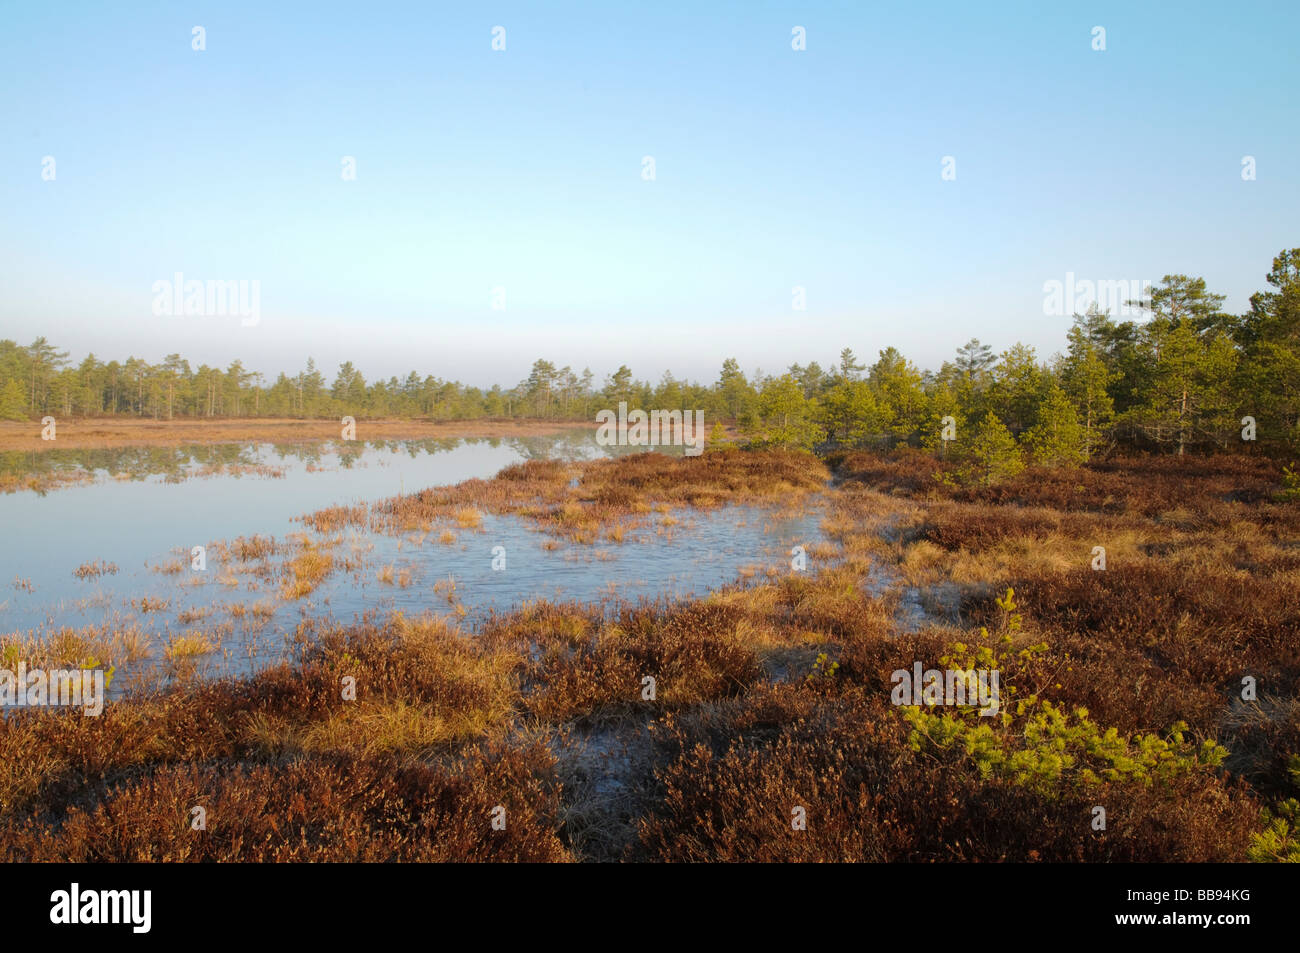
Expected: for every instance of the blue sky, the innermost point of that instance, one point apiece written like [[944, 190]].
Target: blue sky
[[522, 169]]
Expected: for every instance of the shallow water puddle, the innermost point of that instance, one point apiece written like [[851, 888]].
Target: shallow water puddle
[[232, 618]]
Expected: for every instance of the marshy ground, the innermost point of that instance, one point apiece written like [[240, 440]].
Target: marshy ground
[[104, 432], [1122, 687]]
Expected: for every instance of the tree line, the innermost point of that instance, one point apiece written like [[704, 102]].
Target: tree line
[[1182, 378]]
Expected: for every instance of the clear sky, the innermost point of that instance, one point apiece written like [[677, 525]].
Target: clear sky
[[522, 169]]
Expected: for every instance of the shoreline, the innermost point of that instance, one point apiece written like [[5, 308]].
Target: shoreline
[[94, 433]]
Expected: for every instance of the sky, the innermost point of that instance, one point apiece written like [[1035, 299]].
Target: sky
[[517, 176]]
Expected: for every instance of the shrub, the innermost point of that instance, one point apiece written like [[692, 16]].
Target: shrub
[[989, 456]]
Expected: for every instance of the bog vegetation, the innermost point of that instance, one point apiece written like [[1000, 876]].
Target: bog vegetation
[[1121, 689]]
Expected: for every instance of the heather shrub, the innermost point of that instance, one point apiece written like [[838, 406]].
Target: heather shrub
[[329, 808]]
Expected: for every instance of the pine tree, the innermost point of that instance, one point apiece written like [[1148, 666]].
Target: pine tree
[[973, 361], [718, 438], [13, 402], [941, 402], [849, 367], [44, 361], [1017, 382], [1189, 396], [849, 413], [1179, 298], [1269, 373], [734, 391], [1087, 380], [989, 454], [899, 394], [619, 387], [783, 417], [1057, 439]]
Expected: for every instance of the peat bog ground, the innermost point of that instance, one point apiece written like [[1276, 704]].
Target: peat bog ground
[[695, 728]]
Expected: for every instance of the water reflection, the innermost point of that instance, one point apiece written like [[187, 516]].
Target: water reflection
[[173, 464], [157, 609]]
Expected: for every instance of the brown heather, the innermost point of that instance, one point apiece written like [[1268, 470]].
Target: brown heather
[[540, 710], [736, 772], [577, 501]]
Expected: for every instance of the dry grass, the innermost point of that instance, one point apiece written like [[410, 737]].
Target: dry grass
[[45, 480], [469, 518], [333, 518], [587, 501], [1201, 585], [100, 432], [305, 572], [189, 645], [769, 694], [95, 570]]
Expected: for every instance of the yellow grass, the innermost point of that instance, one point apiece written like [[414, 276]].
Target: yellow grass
[[469, 518], [305, 573], [188, 646]]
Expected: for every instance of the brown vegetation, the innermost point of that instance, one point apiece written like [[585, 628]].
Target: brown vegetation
[[577, 501], [769, 695], [99, 432]]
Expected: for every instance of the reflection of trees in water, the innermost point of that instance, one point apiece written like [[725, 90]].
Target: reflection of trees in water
[[568, 444], [579, 444], [174, 462], [669, 451], [307, 453], [134, 462], [348, 452]]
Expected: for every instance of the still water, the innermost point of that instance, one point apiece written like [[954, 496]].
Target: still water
[[142, 511]]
